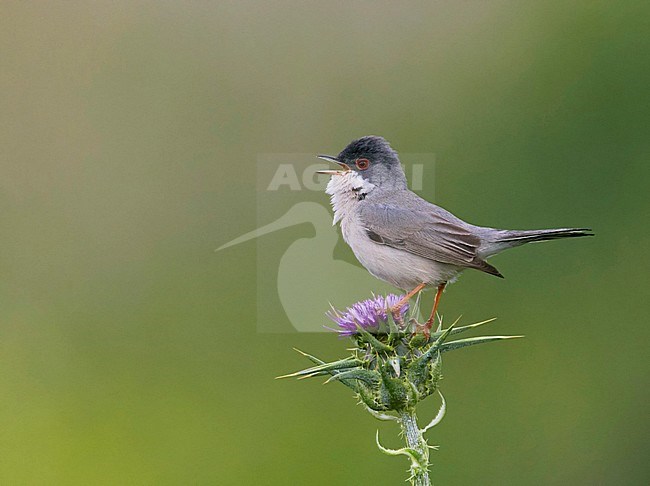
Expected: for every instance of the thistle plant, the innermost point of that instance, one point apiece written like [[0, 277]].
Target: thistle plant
[[392, 367]]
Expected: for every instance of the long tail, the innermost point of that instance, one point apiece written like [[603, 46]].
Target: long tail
[[519, 237], [496, 241]]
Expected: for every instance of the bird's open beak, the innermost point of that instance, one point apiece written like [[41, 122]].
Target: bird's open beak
[[329, 158]]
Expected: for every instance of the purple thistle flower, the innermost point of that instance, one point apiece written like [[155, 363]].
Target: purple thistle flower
[[368, 314]]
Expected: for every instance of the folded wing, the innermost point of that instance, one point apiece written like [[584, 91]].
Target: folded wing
[[432, 234]]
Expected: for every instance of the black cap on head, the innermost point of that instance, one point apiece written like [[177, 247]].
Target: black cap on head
[[373, 159], [370, 147]]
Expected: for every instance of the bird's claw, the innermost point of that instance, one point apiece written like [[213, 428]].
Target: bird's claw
[[396, 313], [425, 330]]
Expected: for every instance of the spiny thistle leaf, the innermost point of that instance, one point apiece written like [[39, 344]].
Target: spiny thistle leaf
[[323, 368], [369, 377], [349, 383], [461, 343], [415, 456], [422, 361], [380, 416], [373, 341], [311, 358], [439, 416], [458, 330]]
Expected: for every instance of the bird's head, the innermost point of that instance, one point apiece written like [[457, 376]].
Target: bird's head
[[372, 159]]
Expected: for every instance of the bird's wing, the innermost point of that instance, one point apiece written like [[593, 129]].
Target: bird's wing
[[430, 233]]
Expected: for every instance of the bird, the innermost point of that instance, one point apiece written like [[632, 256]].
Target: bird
[[403, 239]]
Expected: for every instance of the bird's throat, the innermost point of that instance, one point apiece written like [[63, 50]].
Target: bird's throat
[[346, 193]]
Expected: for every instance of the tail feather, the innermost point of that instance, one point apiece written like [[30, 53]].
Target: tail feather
[[519, 237], [495, 241]]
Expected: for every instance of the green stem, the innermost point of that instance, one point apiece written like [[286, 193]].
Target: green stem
[[416, 442]]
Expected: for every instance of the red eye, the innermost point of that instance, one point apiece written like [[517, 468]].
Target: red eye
[[362, 164]]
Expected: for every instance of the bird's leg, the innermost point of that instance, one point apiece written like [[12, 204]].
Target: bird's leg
[[395, 310], [432, 317]]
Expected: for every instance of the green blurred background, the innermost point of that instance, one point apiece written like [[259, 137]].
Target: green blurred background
[[129, 350]]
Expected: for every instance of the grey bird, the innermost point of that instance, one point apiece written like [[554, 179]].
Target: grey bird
[[403, 239]]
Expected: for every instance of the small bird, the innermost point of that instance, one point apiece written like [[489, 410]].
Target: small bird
[[403, 239]]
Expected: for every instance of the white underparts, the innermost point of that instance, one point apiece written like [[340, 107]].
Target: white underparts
[[399, 268]]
